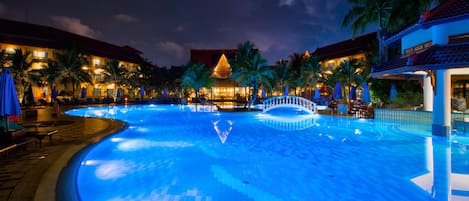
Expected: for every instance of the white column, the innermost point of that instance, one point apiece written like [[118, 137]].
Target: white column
[[427, 93], [442, 104]]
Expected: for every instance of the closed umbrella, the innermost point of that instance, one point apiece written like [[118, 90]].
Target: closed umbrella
[[393, 93], [54, 93], [285, 93], [9, 104], [164, 92], [118, 95], [353, 94], [317, 95], [83, 92], [263, 93], [142, 91], [29, 96], [366, 93], [337, 92]]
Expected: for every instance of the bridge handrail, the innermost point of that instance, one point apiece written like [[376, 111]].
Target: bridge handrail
[[280, 101]]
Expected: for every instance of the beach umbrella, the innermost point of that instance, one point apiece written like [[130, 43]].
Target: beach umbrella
[[285, 93], [365, 93], [263, 93], [337, 92], [353, 94], [118, 93], [393, 93], [54, 93], [9, 104], [317, 95], [164, 92], [83, 92], [142, 91]]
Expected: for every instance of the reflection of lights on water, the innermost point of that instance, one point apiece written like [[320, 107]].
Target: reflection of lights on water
[[133, 145], [223, 129], [142, 129], [117, 139], [358, 132], [113, 169], [90, 162]]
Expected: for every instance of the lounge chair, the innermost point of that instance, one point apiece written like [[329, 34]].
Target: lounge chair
[[12, 138]]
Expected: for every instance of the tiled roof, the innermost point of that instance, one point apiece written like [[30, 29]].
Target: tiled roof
[[22, 33], [435, 57], [447, 11], [346, 48]]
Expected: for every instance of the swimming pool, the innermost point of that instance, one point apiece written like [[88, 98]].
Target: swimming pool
[[173, 152]]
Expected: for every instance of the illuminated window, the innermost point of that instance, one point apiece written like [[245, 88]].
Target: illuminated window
[[96, 62], [39, 54], [10, 50], [418, 48]]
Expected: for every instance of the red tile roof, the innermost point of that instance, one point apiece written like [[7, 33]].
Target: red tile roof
[[345, 48], [22, 33], [435, 57], [448, 11]]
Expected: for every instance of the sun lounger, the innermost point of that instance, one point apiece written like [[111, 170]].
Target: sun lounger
[[40, 135], [19, 144]]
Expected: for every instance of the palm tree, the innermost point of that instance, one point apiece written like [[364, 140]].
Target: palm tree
[[3, 59], [348, 73], [253, 73], [310, 71], [142, 76], [366, 12], [196, 77], [115, 73], [282, 75], [20, 67], [296, 62], [67, 68]]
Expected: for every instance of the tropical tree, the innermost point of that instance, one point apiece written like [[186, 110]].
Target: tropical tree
[[20, 67], [196, 77], [282, 75], [367, 12], [295, 64], [348, 73], [66, 68], [115, 73], [310, 71], [3, 59], [142, 75], [252, 73]]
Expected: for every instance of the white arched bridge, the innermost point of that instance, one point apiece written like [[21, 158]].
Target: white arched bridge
[[289, 101]]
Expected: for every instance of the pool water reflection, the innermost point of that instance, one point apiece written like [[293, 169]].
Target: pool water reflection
[[172, 152]]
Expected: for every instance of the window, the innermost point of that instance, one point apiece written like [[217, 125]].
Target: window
[[96, 62], [39, 55], [459, 38], [418, 48]]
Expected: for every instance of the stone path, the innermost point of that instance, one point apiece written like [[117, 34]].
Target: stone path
[[23, 172]]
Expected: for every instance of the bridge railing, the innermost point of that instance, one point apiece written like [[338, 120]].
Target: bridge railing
[[289, 101]]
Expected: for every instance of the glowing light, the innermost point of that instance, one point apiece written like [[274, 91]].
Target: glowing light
[[358, 132], [113, 169], [116, 139], [134, 145]]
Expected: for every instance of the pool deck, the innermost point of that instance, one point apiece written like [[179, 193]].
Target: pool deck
[[32, 174]]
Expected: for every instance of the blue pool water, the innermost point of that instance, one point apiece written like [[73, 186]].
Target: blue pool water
[[172, 152]]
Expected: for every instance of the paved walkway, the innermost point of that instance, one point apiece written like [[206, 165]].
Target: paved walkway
[[32, 174]]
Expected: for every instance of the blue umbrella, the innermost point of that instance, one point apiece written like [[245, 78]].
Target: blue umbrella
[[337, 92], [54, 93], [353, 95], [142, 91], [118, 93], [83, 92], [263, 93], [9, 104], [285, 93], [164, 92], [317, 95], [393, 93], [366, 93]]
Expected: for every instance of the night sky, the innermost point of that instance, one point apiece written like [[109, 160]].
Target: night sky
[[166, 30]]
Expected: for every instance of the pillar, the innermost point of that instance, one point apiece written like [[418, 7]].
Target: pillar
[[442, 104], [441, 169], [427, 93]]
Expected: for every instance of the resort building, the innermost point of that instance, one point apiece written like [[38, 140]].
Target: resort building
[[43, 42], [355, 48], [218, 61], [434, 49]]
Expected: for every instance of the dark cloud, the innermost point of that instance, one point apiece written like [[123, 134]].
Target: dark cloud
[[166, 30], [3, 9]]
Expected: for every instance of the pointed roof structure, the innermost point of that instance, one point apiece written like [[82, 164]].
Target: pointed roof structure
[[223, 69], [306, 54]]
